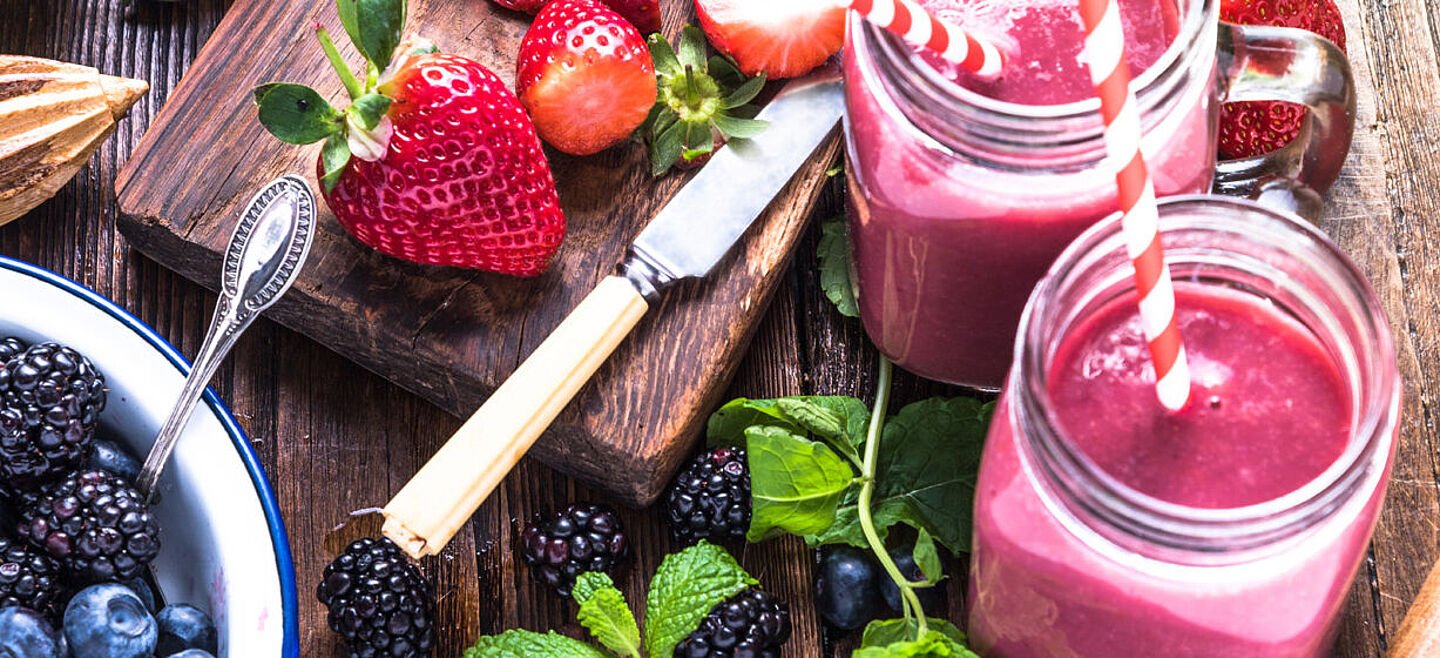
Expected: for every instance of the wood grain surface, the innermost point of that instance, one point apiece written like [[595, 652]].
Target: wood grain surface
[[334, 437], [453, 335]]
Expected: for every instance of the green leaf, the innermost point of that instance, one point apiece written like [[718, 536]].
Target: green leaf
[[335, 155], [666, 63], [374, 27], [692, 48], [526, 644], [725, 72], [604, 612], [260, 91], [744, 93], [296, 114], [927, 558], [685, 588], [370, 109], [739, 128], [925, 474], [834, 253], [795, 484], [890, 639], [727, 425], [665, 149]]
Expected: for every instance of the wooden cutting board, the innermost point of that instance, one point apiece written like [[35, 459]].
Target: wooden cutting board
[[451, 335]]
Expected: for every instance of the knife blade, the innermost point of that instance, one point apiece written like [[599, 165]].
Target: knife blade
[[687, 238]]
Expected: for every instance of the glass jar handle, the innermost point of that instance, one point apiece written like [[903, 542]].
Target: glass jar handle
[[1288, 64]]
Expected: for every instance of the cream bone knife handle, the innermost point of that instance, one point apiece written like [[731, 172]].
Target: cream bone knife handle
[[1419, 634], [443, 495]]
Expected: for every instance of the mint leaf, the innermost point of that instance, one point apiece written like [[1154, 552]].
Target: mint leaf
[[296, 114], [834, 253], [927, 558], [882, 632], [685, 588], [828, 423], [525, 644], [604, 612], [925, 475], [728, 424], [374, 27], [795, 483]]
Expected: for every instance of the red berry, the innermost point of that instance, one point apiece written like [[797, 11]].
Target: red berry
[[585, 76], [464, 181], [643, 14], [1256, 127], [527, 6], [780, 38]]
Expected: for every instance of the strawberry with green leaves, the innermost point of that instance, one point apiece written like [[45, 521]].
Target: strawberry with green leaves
[[700, 104], [434, 161], [585, 76], [1256, 127]]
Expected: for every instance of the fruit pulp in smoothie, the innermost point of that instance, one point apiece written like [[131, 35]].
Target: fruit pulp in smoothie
[[1269, 412], [948, 246]]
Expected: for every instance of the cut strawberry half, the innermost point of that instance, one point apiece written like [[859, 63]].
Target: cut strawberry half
[[780, 38]]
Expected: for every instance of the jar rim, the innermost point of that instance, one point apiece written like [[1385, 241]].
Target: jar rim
[[1134, 515]]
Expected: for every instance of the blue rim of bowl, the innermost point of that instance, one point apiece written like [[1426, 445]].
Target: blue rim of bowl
[[284, 561]]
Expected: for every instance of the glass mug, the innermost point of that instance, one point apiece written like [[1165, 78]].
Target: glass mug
[[1070, 559], [958, 202]]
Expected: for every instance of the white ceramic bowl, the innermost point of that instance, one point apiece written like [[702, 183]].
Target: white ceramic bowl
[[223, 545]]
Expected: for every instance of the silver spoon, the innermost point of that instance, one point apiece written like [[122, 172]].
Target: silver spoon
[[265, 253]]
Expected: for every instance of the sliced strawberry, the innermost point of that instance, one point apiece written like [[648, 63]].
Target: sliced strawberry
[[780, 38], [585, 76], [1257, 127]]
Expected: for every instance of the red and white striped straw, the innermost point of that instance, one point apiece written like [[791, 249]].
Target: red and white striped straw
[[1140, 221], [914, 24]]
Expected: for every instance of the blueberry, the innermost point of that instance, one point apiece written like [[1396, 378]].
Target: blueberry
[[142, 590], [191, 653], [109, 621], [111, 456], [25, 634], [846, 588], [931, 598], [184, 627]]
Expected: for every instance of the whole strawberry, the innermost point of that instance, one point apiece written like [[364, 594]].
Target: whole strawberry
[[585, 76], [1253, 128], [433, 162], [643, 14]]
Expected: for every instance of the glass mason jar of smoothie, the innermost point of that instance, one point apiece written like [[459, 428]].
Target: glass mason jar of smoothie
[[1107, 526], [963, 190]]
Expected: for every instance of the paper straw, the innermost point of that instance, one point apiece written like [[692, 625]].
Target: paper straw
[[914, 24], [1140, 221]]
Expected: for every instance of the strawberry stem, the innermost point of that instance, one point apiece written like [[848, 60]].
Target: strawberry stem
[[693, 97], [347, 77]]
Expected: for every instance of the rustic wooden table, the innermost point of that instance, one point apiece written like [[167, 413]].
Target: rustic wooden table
[[334, 437]]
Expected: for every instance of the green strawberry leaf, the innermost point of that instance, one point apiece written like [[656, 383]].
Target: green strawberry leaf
[[296, 114], [604, 612], [370, 109], [725, 72], [526, 644], [925, 474], [334, 156], [692, 48], [744, 93], [374, 27], [685, 588], [739, 128], [890, 639], [665, 149], [927, 558], [796, 484], [834, 253], [666, 63]]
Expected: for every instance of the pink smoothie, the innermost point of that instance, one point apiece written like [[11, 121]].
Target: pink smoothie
[[948, 246], [1269, 413]]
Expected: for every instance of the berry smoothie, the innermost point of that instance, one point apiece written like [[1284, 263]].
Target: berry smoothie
[[1269, 413], [950, 235]]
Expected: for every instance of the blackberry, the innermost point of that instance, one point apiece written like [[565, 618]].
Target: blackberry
[[582, 538], [94, 523], [710, 499], [9, 347], [752, 623], [379, 601], [30, 579], [50, 399]]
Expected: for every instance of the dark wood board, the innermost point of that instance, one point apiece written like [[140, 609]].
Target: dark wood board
[[452, 335]]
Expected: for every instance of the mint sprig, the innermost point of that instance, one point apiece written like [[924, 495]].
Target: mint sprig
[[605, 614], [835, 266], [526, 644], [902, 638]]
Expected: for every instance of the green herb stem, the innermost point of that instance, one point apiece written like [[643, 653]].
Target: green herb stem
[[347, 77], [867, 494]]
